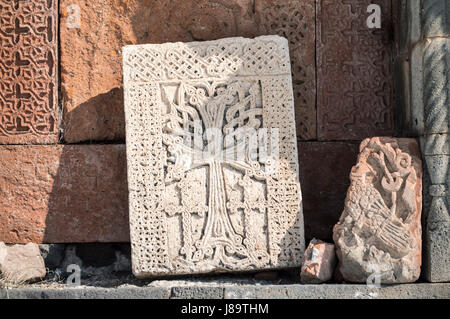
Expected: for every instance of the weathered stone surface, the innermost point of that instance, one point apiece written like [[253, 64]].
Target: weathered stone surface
[[436, 91], [87, 293], [202, 204], [59, 194], [379, 233], [91, 61], [436, 144], [408, 291], [437, 250], [324, 189], [354, 80], [28, 72], [197, 293], [21, 263], [319, 262], [436, 18]]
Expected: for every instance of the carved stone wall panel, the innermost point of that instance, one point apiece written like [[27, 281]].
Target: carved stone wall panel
[[196, 206], [354, 76], [91, 76], [379, 234], [28, 71], [295, 20]]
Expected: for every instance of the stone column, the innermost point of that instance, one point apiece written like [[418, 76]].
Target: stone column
[[435, 137], [422, 66]]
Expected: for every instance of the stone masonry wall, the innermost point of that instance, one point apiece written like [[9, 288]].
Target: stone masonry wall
[[422, 64], [67, 191]]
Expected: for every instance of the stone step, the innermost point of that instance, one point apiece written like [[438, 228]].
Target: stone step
[[177, 290]]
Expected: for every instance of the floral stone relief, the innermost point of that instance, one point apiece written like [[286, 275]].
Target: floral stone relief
[[378, 237]]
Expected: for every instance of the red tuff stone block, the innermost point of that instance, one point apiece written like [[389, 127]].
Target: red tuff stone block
[[354, 76], [319, 262], [91, 62], [63, 194], [28, 72], [324, 187]]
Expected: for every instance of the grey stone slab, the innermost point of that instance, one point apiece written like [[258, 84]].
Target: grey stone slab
[[197, 292], [87, 293], [234, 291], [436, 18], [413, 291]]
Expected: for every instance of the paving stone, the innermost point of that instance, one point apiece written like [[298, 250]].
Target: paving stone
[[408, 291], [58, 194], [29, 72], [379, 235], [295, 291], [91, 74], [354, 76], [199, 204], [21, 263], [87, 293], [197, 293]]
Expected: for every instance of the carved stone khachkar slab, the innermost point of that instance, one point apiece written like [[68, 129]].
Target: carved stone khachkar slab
[[354, 77], [379, 233], [203, 196], [28, 71]]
